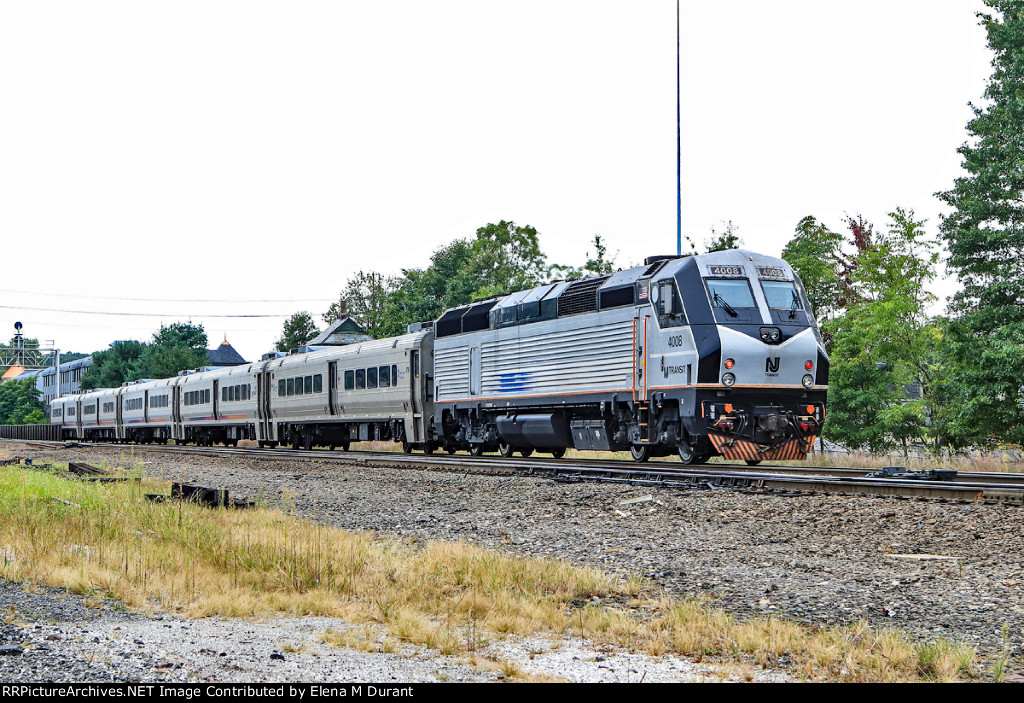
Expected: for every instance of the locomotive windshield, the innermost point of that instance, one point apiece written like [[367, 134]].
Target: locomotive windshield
[[782, 295], [730, 293]]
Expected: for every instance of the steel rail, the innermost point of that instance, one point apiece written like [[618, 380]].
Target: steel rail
[[973, 487]]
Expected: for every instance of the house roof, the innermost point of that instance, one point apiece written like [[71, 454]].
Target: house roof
[[12, 372], [342, 331], [224, 355]]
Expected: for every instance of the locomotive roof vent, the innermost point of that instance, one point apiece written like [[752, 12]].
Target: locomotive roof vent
[[650, 260]]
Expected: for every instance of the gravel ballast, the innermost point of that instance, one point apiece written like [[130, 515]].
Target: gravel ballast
[[932, 569]]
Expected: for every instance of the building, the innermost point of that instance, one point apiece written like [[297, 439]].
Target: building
[[224, 355]]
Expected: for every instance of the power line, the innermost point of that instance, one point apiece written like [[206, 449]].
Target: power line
[[164, 300], [130, 314]]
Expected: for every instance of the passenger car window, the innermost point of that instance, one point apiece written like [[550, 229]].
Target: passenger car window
[[291, 386], [281, 388], [385, 376], [350, 380], [308, 383], [318, 383], [360, 379]]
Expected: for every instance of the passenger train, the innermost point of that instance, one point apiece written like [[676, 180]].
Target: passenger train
[[706, 355]]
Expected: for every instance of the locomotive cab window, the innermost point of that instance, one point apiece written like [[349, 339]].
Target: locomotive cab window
[[785, 301], [782, 295], [731, 299], [667, 303]]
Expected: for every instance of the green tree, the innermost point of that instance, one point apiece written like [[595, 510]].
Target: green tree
[[724, 240], [181, 334], [984, 235], [112, 367], [159, 361], [886, 373], [598, 264], [502, 257], [365, 298], [506, 257], [298, 330], [19, 402], [814, 253]]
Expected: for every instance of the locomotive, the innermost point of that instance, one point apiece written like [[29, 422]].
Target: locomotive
[[702, 355]]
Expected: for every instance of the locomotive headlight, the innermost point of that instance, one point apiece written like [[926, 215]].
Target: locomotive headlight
[[728, 380], [808, 381], [776, 335]]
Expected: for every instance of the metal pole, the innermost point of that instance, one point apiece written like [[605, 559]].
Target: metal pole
[[679, 153]]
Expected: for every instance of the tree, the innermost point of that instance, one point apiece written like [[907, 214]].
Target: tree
[[175, 348], [365, 299], [112, 367], [181, 334], [814, 253], [984, 234], [19, 402], [597, 265], [298, 330], [505, 258], [725, 240], [501, 258], [886, 359], [159, 361]]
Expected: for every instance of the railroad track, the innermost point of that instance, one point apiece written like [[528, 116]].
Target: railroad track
[[985, 487]]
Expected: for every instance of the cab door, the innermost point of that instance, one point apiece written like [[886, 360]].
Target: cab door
[[640, 327]]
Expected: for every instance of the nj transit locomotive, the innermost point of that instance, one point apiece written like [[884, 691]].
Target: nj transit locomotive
[[705, 355]]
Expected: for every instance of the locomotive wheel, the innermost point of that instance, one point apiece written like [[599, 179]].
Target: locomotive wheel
[[687, 455], [344, 446], [428, 447], [505, 449], [296, 439], [640, 452], [307, 440], [476, 449], [525, 452], [406, 447], [701, 458], [451, 449], [558, 453], [753, 462]]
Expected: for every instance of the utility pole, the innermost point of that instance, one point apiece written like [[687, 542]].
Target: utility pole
[[679, 153]]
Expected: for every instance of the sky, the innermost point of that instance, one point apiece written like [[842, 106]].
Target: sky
[[204, 160]]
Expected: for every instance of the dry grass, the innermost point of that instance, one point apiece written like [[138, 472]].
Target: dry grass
[[448, 597]]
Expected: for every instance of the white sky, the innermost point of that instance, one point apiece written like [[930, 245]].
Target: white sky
[[267, 151]]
